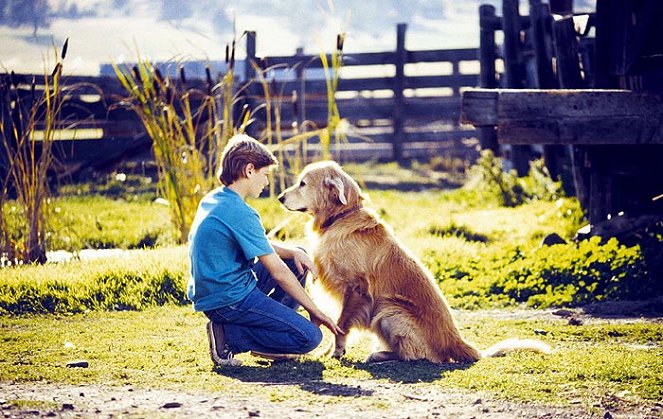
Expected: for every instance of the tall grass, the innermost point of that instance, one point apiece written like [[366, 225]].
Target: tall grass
[[188, 126], [28, 123]]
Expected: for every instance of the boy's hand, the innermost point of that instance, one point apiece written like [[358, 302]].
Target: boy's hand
[[323, 319], [303, 261]]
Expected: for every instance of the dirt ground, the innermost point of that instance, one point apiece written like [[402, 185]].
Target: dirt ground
[[387, 400]]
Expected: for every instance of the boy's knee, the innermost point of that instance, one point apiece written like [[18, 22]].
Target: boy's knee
[[313, 339]]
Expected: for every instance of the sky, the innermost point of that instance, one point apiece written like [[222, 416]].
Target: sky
[[119, 30]]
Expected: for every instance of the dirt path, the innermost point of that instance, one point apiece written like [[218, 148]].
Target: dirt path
[[387, 401]]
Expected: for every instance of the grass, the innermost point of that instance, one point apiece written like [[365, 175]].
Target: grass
[[165, 347], [127, 315], [100, 222], [481, 257]]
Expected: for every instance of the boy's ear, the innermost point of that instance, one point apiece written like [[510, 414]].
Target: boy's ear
[[249, 169]]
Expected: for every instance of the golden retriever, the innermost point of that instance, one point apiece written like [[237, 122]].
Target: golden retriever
[[380, 284]]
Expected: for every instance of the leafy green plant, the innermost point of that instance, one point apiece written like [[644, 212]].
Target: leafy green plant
[[560, 275], [505, 188], [28, 124]]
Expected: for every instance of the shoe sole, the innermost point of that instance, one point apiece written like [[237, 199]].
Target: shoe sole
[[214, 354]]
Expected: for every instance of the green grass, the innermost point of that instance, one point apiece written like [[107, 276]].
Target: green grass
[[480, 256], [100, 222], [127, 315], [131, 281], [165, 347]]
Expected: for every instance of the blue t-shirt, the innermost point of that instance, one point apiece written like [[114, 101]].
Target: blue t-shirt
[[225, 238]]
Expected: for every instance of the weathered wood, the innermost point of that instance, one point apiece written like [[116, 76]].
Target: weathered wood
[[569, 76], [514, 69], [588, 117], [373, 58], [479, 107], [487, 73], [399, 85], [553, 155]]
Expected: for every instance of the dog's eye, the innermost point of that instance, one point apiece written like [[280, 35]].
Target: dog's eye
[[302, 184]]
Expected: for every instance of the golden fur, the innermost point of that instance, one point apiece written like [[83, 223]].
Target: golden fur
[[380, 284]]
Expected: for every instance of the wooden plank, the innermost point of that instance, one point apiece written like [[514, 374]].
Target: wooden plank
[[567, 116], [428, 56], [479, 107], [375, 58]]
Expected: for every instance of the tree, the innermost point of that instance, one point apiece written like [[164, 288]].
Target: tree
[[36, 13]]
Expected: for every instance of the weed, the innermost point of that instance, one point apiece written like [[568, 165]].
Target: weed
[[28, 123], [185, 131]]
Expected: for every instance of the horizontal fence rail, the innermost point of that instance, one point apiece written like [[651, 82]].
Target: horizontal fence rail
[[395, 104]]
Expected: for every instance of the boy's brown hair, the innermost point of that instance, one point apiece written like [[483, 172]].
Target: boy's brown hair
[[240, 151]]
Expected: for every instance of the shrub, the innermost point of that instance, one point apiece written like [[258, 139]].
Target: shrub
[[560, 275], [489, 179]]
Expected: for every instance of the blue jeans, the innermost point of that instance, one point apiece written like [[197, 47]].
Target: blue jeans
[[266, 320]]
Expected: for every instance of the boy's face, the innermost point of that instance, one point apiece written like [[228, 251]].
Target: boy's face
[[259, 179]]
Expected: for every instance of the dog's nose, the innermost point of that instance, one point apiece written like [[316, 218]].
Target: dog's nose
[[281, 198]]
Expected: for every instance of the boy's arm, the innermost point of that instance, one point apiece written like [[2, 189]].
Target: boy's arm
[[286, 279], [301, 258]]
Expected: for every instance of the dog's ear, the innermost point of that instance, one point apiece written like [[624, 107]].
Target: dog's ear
[[337, 183]]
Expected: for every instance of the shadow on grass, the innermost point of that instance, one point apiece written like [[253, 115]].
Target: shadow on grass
[[307, 375], [407, 372], [649, 308]]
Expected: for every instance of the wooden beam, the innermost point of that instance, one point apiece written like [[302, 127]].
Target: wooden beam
[[559, 116]]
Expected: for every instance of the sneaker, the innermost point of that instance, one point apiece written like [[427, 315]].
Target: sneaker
[[219, 351], [277, 357]]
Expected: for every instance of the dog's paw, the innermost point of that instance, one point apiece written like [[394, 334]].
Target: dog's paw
[[338, 353], [381, 357]]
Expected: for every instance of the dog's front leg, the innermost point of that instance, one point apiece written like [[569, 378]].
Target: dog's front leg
[[355, 312]]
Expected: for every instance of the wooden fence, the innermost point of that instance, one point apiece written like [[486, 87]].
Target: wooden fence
[[612, 138], [396, 108]]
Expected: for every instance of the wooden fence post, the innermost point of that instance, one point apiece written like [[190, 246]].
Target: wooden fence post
[[541, 23], [514, 72], [300, 101], [399, 100], [488, 77], [568, 73], [251, 91]]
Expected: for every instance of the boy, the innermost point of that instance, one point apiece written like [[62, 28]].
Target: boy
[[229, 287]]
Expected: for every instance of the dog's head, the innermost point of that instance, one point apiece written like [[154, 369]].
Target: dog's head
[[322, 189]]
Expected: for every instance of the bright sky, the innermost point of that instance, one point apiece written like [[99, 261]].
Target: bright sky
[[115, 37]]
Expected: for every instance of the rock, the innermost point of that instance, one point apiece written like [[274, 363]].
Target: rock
[[67, 406], [574, 321], [607, 415], [78, 364], [172, 405], [563, 313], [552, 239], [623, 227]]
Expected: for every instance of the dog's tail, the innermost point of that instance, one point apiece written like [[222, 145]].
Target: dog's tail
[[510, 345]]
